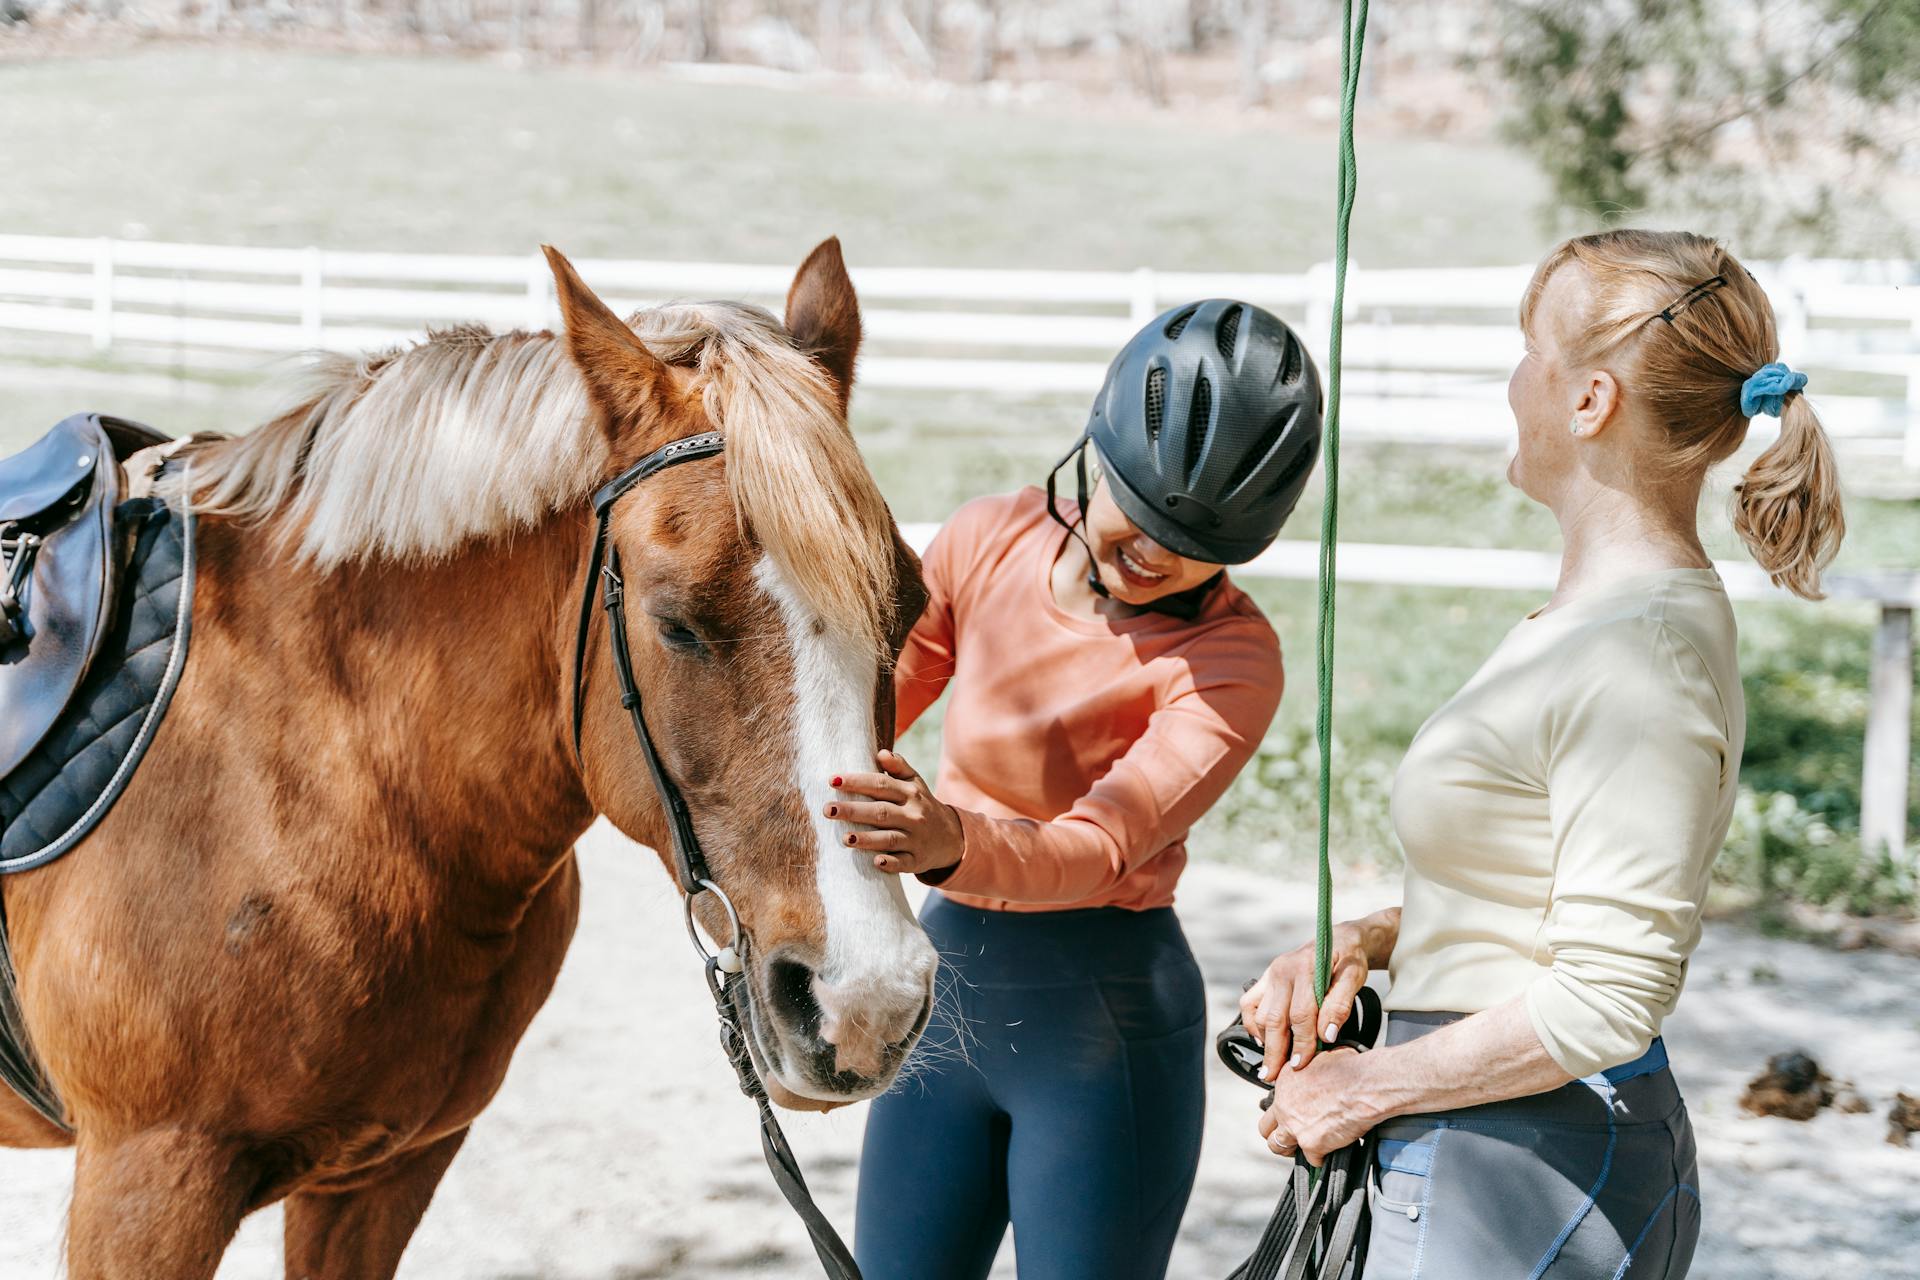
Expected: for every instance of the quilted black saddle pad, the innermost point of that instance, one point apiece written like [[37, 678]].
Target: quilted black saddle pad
[[72, 778]]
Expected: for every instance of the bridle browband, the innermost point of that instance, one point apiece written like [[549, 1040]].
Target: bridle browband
[[725, 967]]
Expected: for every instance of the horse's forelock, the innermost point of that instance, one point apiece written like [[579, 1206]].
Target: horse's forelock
[[801, 488], [799, 485]]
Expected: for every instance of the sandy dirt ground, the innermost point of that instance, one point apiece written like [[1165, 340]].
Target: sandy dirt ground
[[619, 1148]]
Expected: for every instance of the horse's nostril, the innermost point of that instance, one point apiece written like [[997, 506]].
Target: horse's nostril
[[920, 1022], [790, 987], [844, 1037]]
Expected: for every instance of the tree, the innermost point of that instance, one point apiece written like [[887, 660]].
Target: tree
[[986, 41], [1251, 30], [702, 44], [1141, 35], [1781, 122]]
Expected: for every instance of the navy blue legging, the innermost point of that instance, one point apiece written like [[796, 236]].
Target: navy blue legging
[[1061, 1089]]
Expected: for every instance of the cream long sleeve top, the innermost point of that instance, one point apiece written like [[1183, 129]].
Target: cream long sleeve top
[[1561, 812]]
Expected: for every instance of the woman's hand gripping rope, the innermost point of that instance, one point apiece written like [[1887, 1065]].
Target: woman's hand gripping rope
[[1279, 1010]]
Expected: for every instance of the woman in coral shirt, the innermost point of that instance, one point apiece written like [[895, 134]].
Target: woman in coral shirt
[[1108, 682]]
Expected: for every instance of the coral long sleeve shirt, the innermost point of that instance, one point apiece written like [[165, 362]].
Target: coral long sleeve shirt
[[1561, 813], [1077, 751]]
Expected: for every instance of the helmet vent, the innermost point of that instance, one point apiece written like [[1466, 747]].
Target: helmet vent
[[1263, 451], [1290, 363], [1228, 331], [1178, 325], [1287, 474], [1197, 423], [1156, 402]]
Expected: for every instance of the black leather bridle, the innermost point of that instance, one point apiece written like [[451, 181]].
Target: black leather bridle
[[726, 967]]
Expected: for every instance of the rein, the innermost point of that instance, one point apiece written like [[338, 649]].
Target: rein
[[726, 966], [1318, 1230]]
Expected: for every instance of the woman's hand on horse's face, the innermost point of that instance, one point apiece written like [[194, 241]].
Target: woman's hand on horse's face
[[1317, 1112], [913, 831], [1279, 1009]]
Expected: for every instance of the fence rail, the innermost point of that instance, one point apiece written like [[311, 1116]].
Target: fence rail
[[1428, 349], [1888, 757], [1427, 353]]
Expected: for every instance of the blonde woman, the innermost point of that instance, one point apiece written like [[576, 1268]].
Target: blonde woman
[[1560, 813]]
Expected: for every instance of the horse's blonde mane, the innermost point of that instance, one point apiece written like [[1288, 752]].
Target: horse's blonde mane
[[408, 454]]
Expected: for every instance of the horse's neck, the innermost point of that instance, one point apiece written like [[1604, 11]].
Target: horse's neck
[[435, 689]]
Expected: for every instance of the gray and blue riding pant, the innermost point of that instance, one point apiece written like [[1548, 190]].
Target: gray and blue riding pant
[[1594, 1180]]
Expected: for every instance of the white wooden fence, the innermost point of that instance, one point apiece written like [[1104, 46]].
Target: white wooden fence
[[1427, 354], [1888, 756], [1428, 350]]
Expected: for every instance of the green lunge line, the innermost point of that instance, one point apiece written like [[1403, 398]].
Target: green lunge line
[[1352, 43]]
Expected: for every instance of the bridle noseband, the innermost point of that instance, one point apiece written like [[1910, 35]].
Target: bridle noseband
[[725, 966]]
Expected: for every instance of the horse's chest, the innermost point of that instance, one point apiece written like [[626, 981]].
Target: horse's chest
[[449, 997], [317, 1016]]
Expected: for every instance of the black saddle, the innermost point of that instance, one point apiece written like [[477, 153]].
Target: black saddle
[[97, 622], [59, 568], [96, 596]]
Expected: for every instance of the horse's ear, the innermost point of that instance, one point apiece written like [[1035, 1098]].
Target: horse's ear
[[823, 315], [622, 376]]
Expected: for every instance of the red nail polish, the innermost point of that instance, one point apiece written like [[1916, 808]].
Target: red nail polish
[[849, 839], [835, 782], [833, 811]]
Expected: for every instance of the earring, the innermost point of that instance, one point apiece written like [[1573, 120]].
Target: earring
[[1573, 424]]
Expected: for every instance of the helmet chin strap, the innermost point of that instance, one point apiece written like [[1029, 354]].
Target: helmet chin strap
[[1079, 455], [1186, 604]]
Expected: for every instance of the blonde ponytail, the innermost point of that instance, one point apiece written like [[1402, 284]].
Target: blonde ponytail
[[1787, 508], [1691, 332]]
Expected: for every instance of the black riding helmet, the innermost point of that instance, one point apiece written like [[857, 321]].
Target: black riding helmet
[[1208, 425]]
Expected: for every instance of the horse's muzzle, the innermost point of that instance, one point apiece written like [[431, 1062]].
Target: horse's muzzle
[[838, 1042]]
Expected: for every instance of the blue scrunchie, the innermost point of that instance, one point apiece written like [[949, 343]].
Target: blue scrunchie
[[1766, 391]]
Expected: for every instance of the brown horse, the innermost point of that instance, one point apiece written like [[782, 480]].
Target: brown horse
[[295, 959]]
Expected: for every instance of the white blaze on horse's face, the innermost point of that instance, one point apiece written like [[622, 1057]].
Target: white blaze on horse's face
[[874, 983]]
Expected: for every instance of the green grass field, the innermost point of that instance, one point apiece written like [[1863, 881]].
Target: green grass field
[[1402, 651], [470, 156], [387, 153]]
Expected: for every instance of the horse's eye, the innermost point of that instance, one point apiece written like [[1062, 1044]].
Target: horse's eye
[[678, 635]]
